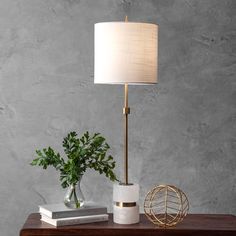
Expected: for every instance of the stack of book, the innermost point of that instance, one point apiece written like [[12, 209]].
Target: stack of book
[[60, 215]]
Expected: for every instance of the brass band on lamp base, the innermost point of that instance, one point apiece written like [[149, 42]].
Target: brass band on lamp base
[[125, 204], [166, 205]]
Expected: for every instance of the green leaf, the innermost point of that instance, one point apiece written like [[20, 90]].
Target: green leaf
[[88, 151]]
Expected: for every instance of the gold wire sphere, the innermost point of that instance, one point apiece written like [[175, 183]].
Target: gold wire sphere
[[166, 205]]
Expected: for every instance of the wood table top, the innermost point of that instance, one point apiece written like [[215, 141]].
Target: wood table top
[[193, 224]]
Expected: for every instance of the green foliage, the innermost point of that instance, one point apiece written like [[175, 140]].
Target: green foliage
[[82, 153]]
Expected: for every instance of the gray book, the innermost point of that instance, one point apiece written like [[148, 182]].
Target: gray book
[[59, 210], [75, 220]]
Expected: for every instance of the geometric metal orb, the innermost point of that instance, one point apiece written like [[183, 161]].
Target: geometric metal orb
[[166, 205]]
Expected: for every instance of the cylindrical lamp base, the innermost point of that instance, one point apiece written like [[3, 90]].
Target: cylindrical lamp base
[[126, 209], [126, 215]]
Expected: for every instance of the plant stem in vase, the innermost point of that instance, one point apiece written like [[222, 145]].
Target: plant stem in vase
[[74, 197]]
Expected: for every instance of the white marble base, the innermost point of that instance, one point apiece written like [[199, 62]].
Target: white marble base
[[126, 215], [125, 208]]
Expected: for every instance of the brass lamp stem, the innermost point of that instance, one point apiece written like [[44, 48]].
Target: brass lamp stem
[[126, 112]]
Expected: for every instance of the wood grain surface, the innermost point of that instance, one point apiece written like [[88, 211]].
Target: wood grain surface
[[193, 224]]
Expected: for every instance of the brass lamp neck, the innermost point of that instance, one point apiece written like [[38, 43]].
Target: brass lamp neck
[[126, 112]]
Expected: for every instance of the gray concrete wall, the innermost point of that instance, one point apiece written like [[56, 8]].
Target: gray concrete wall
[[182, 130]]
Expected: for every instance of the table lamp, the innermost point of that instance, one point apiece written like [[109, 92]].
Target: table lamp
[[125, 53]]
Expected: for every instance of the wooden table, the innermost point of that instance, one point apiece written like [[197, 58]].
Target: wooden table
[[203, 225]]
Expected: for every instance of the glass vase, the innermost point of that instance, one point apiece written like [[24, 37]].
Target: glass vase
[[74, 197]]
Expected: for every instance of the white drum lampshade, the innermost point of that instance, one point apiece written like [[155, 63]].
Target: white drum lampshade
[[125, 53]]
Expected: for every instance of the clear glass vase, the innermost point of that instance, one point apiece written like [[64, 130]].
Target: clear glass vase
[[74, 197]]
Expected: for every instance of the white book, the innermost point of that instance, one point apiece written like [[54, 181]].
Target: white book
[[74, 220], [59, 210]]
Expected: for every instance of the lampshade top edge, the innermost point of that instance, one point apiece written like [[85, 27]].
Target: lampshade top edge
[[123, 22]]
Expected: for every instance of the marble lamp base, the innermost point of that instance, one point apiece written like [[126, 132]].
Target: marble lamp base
[[125, 208]]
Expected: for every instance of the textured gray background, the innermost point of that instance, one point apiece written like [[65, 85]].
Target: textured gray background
[[182, 131]]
